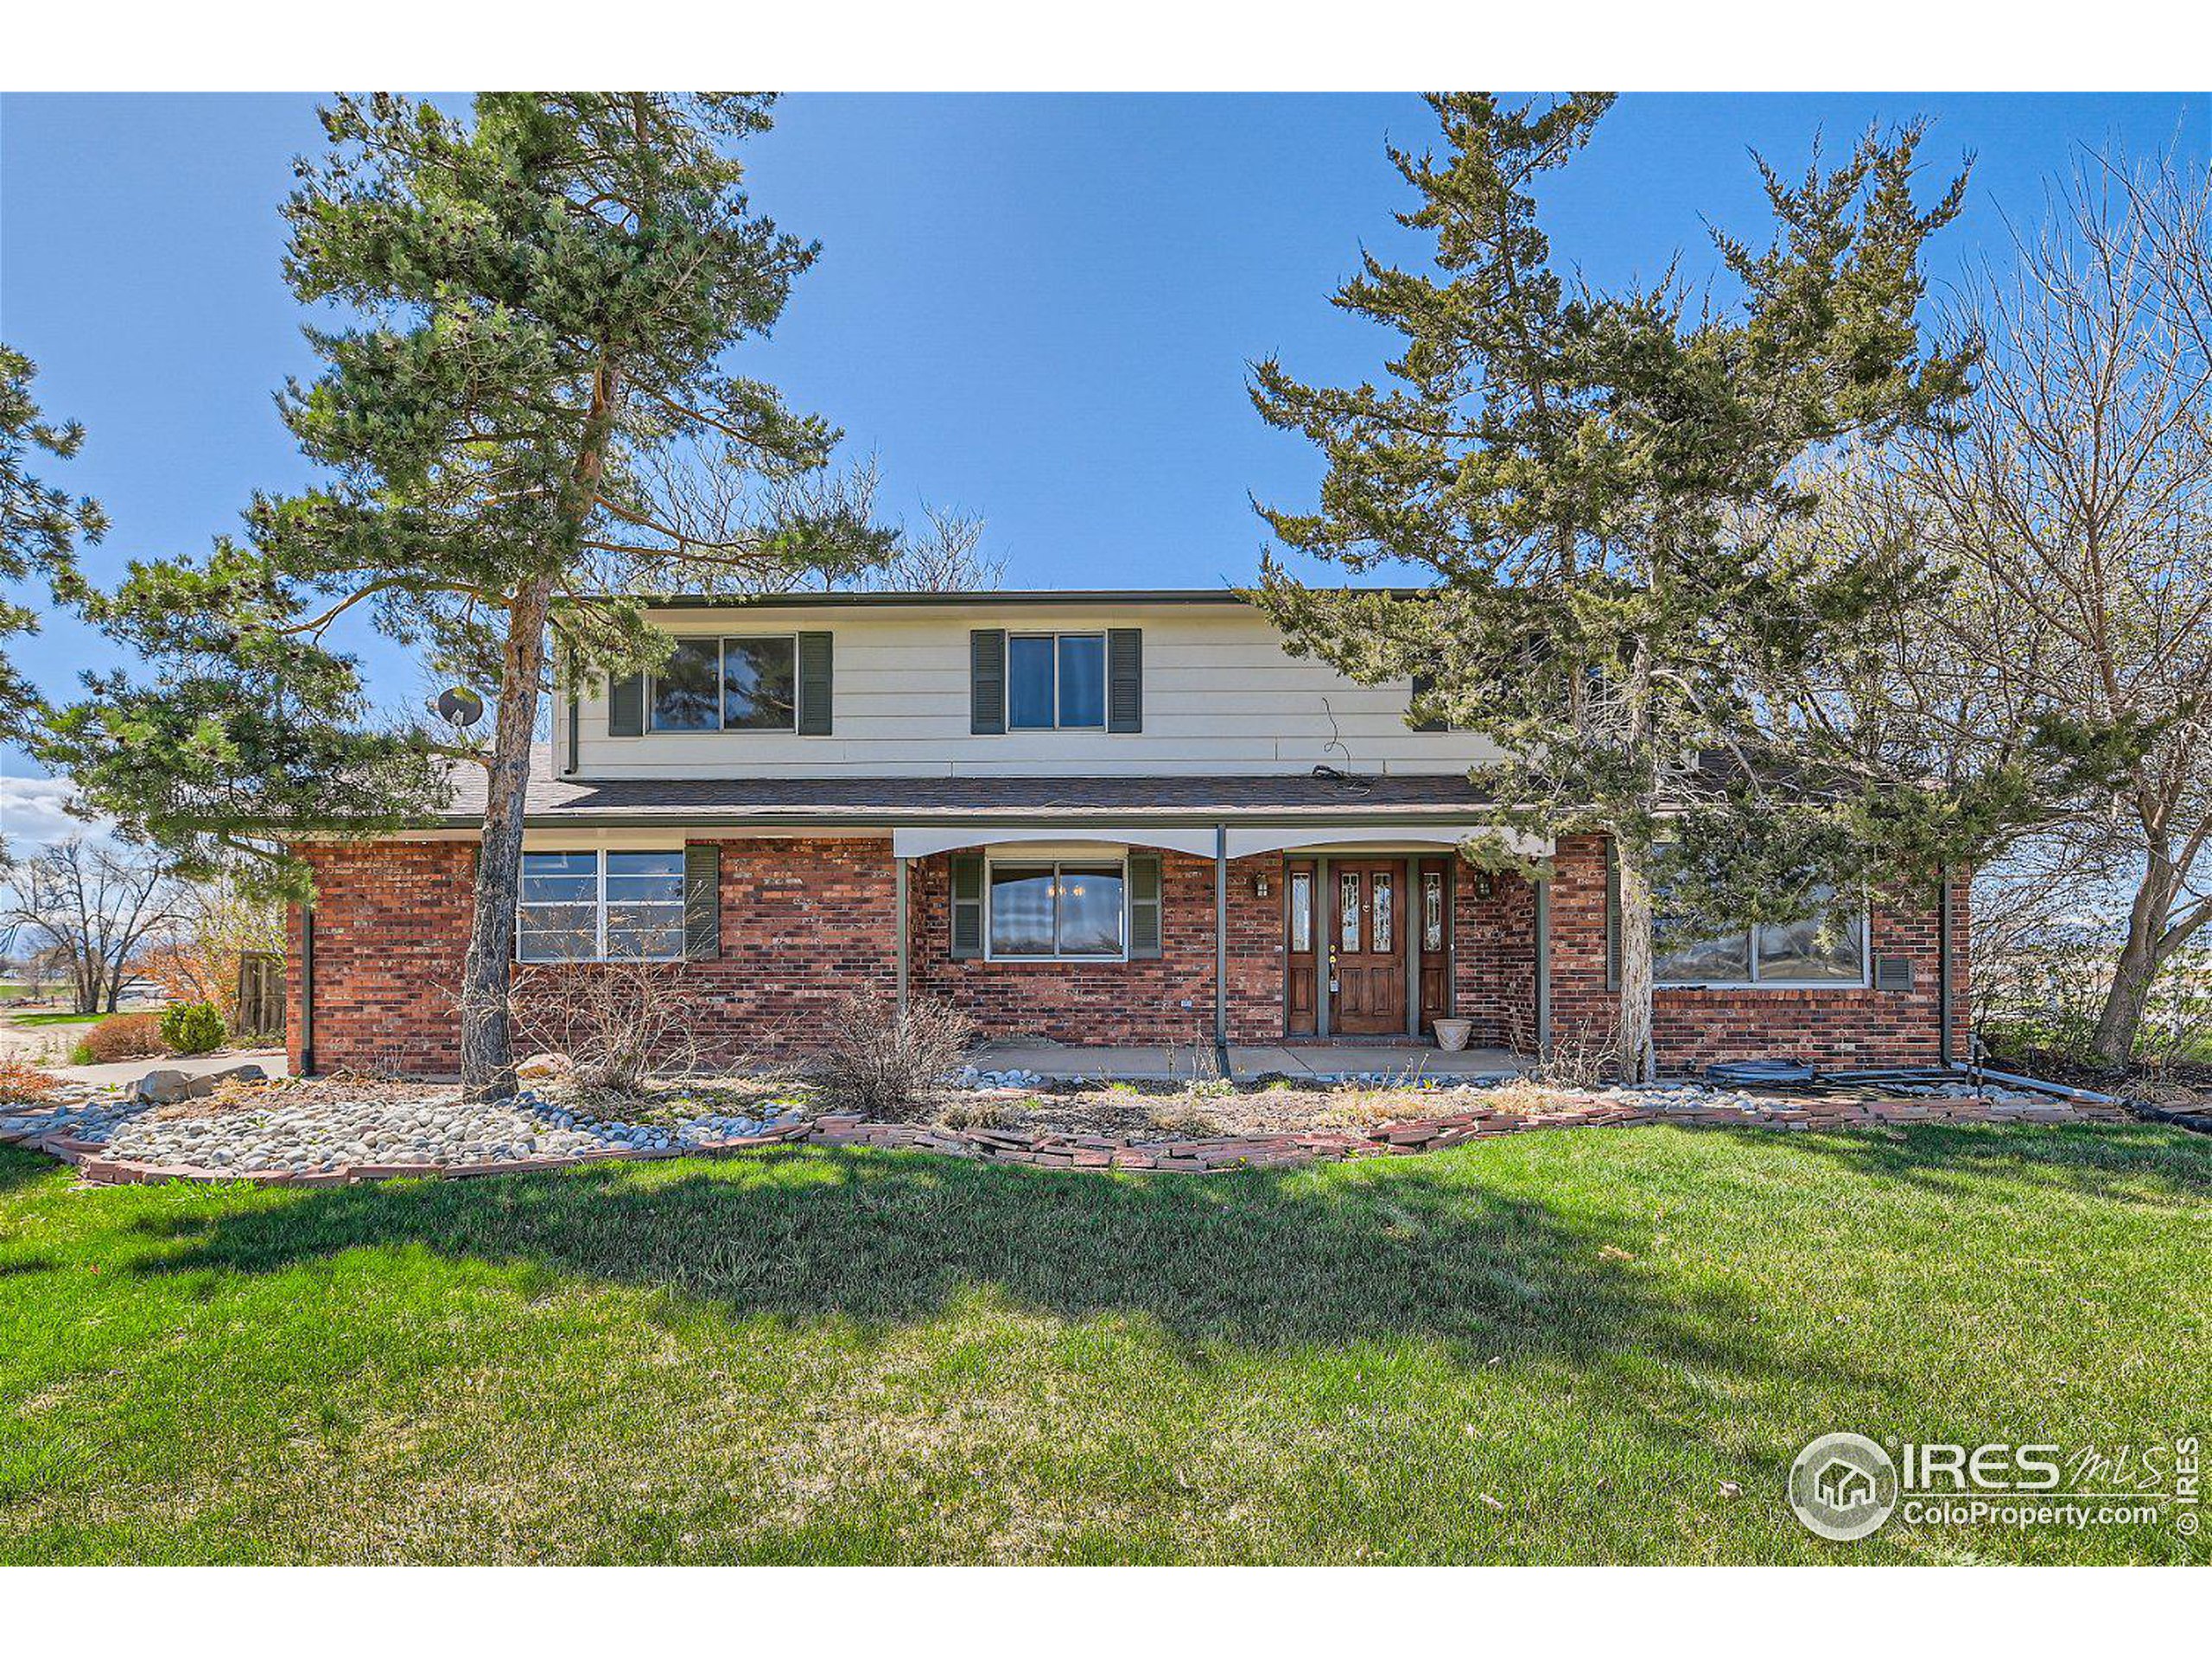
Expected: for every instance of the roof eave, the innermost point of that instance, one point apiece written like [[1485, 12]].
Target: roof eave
[[986, 597]]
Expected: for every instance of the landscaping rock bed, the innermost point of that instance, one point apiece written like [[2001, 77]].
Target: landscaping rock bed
[[338, 1130], [347, 1130]]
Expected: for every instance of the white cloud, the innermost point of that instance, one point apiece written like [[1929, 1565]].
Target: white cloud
[[34, 814]]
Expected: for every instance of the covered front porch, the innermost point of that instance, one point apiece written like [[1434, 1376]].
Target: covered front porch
[[1247, 1063], [1300, 950]]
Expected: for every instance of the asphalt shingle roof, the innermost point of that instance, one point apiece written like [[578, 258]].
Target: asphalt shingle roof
[[552, 799]]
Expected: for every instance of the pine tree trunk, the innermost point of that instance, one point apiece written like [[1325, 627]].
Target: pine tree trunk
[[487, 1060], [2120, 1019], [1633, 1026]]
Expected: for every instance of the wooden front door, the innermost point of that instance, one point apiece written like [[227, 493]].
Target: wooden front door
[[1366, 935]]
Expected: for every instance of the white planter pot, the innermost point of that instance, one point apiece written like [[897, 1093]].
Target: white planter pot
[[1452, 1034]]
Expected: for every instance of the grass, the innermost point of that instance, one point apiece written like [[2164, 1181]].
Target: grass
[[1549, 1348], [56, 1019]]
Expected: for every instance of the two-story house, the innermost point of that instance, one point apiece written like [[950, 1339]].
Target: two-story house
[[1092, 817]]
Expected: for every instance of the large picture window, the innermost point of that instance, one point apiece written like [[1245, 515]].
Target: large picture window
[[1829, 949], [601, 907], [1055, 680], [744, 684], [1053, 911]]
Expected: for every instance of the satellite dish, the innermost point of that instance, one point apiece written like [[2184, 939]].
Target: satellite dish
[[460, 707]]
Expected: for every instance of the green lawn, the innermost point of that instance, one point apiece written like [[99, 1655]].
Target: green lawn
[[1555, 1347], [56, 1019]]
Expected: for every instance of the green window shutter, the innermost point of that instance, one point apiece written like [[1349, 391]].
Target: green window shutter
[[575, 714], [626, 707], [1422, 686], [987, 681], [966, 905], [1144, 903], [702, 900], [1612, 918], [1125, 679], [814, 685]]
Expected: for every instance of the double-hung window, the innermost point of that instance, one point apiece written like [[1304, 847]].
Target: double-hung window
[[1827, 949], [1050, 911], [1055, 681], [601, 907], [737, 684]]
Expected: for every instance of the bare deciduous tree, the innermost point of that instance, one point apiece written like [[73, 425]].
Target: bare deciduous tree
[[2073, 506], [705, 500], [218, 922], [96, 905], [946, 557], [2079, 500]]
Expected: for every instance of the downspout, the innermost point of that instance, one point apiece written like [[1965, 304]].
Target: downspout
[[1943, 968], [307, 990], [1221, 946]]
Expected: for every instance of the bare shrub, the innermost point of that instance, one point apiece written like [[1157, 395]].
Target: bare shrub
[[1185, 1117], [616, 1024], [973, 1114], [22, 1083], [1580, 1062], [1524, 1094], [121, 1037], [1202, 1073], [889, 1065]]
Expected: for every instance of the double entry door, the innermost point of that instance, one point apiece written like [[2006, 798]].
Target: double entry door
[[1365, 943]]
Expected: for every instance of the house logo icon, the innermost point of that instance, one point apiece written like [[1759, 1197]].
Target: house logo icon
[[1843, 1487]]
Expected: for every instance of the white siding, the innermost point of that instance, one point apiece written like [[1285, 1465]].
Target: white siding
[[1221, 696]]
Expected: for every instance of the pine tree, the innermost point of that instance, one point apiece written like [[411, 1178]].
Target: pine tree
[[544, 295], [1598, 485], [40, 526]]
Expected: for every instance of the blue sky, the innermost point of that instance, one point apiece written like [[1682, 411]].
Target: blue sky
[[1035, 310]]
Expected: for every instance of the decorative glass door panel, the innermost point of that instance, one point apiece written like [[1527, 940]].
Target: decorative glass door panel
[[1367, 969]]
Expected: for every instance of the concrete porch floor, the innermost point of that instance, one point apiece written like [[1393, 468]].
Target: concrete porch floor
[[1246, 1064]]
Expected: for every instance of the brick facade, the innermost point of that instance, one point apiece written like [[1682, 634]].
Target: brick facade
[[1693, 1026], [805, 921], [391, 928], [1154, 1002]]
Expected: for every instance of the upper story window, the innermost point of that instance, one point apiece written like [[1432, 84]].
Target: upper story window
[[601, 907], [734, 684], [1055, 681], [1829, 949], [1040, 682]]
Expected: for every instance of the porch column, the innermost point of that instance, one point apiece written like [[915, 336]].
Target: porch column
[[1543, 966], [1221, 944], [898, 909]]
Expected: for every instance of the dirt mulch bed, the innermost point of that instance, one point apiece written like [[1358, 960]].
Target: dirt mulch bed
[[2184, 1086]]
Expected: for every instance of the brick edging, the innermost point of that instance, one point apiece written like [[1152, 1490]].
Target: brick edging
[[1192, 1155]]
